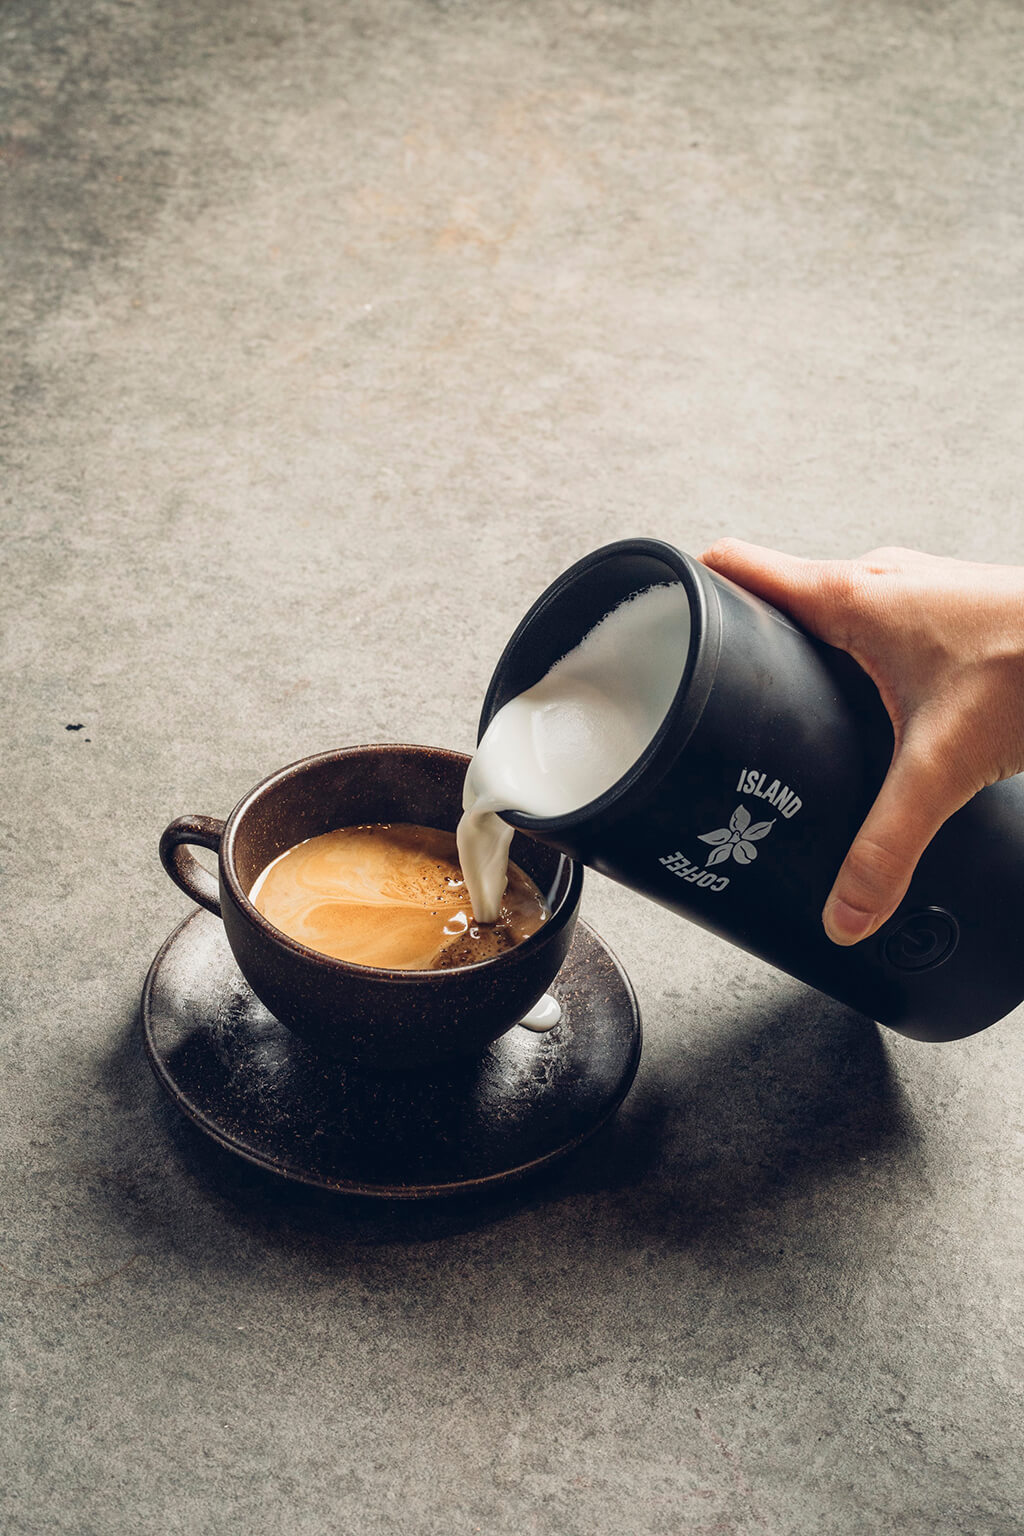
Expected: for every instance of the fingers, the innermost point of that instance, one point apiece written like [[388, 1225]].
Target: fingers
[[911, 806], [814, 592], [767, 572], [865, 607]]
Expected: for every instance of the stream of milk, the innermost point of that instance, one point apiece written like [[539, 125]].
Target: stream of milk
[[569, 738]]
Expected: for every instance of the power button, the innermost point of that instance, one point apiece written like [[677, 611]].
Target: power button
[[922, 940]]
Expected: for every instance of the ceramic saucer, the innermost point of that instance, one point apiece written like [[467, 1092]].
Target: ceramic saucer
[[252, 1086]]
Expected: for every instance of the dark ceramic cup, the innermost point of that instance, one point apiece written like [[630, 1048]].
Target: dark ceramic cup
[[359, 1014]]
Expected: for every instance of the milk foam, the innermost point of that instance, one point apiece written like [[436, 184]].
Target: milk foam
[[570, 737]]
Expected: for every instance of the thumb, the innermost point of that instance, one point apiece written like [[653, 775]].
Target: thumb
[[912, 804]]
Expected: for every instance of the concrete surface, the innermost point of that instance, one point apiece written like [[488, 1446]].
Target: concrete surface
[[332, 331]]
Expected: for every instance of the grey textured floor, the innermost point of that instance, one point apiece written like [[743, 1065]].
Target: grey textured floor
[[332, 333]]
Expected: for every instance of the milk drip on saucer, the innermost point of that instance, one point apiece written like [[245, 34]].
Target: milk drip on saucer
[[569, 738]]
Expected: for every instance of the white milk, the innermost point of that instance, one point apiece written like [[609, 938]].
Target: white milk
[[570, 737]]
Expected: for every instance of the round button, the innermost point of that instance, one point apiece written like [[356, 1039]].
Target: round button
[[922, 940]]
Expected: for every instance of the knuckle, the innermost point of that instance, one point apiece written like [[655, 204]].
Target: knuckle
[[888, 560], [872, 871], [841, 581], [865, 595], [843, 597]]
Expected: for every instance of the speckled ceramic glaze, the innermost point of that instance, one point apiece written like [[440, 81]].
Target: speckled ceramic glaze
[[467, 1124], [362, 1015]]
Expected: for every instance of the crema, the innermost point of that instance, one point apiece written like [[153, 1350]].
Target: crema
[[390, 895]]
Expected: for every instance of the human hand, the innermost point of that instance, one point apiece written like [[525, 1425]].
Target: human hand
[[943, 642]]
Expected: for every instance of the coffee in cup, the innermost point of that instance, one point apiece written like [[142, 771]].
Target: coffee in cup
[[378, 1017], [392, 895]]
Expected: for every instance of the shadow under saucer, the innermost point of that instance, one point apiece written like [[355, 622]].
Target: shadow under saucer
[[251, 1085]]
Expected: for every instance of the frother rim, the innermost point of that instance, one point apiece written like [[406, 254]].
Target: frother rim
[[684, 712]]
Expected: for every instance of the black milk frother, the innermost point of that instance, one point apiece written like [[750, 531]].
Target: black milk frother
[[740, 812]]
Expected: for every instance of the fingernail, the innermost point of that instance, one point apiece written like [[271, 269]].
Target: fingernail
[[845, 924]]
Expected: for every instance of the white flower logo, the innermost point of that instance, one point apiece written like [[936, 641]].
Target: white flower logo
[[737, 839]]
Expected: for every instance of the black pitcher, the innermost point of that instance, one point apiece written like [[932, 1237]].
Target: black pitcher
[[741, 810]]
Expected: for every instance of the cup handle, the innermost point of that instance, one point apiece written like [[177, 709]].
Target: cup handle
[[186, 871]]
